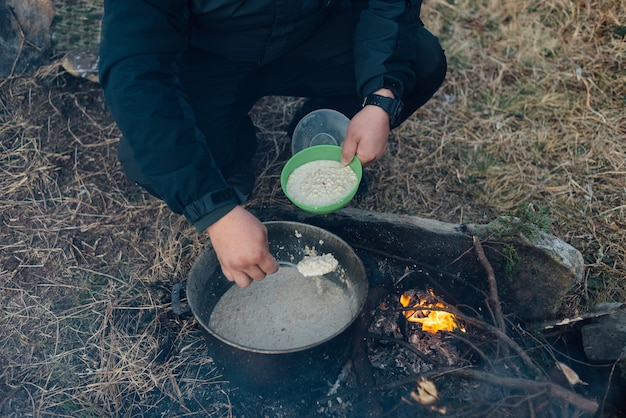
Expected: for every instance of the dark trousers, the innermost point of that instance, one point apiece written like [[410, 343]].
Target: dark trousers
[[222, 91]]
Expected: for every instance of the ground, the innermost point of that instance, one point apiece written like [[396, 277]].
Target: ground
[[529, 122]]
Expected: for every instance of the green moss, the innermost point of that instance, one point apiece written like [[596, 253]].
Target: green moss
[[513, 260]]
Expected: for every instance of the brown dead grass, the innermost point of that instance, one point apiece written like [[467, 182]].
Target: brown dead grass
[[531, 122]]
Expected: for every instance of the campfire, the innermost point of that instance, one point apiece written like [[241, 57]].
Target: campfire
[[434, 346], [447, 360], [433, 314]]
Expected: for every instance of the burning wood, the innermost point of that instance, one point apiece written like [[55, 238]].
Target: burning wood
[[404, 348], [432, 321]]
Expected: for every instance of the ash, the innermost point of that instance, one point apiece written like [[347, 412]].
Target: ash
[[392, 358], [396, 350], [389, 330]]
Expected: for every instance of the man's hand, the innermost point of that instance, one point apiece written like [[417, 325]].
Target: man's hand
[[240, 242], [367, 134]]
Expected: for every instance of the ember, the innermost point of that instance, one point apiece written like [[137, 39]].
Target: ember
[[432, 320]]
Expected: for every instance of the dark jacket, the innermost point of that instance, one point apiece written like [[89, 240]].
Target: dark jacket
[[141, 47]]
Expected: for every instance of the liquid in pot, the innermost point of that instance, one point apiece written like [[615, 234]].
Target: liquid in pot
[[284, 311]]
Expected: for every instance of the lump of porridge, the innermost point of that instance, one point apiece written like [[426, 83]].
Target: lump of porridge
[[321, 182], [317, 265]]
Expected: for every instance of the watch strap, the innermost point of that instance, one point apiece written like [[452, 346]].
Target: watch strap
[[390, 105]]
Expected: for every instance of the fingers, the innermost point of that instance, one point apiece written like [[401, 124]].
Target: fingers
[[367, 137], [365, 156], [269, 265], [242, 280], [240, 243], [254, 273], [348, 150]]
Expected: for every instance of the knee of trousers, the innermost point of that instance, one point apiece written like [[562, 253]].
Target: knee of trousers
[[429, 79]]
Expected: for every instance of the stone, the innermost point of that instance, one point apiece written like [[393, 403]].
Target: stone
[[534, 270], [605, 338], [25, 36], [82, 64]]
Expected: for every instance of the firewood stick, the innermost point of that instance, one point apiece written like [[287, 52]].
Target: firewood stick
[[493, 288], [508, 341], [553, 389], [421, 265], [401, 343], [502, 336], [473, 346], [550, 324]]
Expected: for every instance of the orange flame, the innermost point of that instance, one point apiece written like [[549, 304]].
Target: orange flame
[[432, 321]]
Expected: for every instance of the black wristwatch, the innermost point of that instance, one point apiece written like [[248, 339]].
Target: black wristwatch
[[392, 106]]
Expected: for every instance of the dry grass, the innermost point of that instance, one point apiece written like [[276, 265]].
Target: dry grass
[[531, 121]]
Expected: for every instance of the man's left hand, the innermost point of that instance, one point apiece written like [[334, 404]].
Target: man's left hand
[[367, 134]]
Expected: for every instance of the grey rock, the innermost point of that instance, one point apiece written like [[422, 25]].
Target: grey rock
[[25, 36], [83, 64], [532, 287], [605, 338]]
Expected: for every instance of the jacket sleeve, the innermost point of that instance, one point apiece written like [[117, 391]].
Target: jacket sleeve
[[140, 52], [385, 44]]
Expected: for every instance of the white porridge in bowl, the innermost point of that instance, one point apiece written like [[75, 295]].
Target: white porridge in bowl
[[321, 182]]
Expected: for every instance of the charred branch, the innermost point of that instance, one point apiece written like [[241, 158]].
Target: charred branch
[[534, 386], [562, 322], [494, 299]]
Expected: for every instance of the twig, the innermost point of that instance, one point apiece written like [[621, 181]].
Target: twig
[[410, 380], [401, 343], [507, 340], [420, 264], [493, 288], [580, 317], [473, 346], [608, 386], [553, 389], [502, 336], [9, 396]]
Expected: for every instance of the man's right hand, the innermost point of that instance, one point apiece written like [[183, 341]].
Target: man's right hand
[[240, 242]]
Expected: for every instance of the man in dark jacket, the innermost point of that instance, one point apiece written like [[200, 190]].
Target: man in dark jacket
[[181, 76]]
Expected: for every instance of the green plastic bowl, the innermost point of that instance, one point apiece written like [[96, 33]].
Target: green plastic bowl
[[314, 153]]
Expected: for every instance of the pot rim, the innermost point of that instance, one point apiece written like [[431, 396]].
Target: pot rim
[[227, 285]]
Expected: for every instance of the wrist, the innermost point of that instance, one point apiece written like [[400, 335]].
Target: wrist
[[208, 222], [385, 93], [388, 103]]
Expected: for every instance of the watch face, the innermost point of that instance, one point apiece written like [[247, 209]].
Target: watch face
[[320, 127]]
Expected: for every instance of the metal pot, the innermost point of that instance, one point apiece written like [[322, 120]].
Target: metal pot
[[298, 369]]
